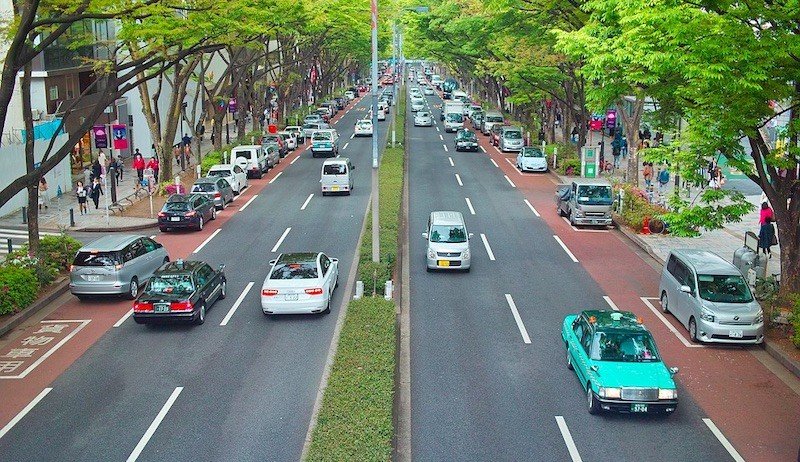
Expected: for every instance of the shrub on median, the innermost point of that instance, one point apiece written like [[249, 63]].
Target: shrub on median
[[636, 207], [18, 288]]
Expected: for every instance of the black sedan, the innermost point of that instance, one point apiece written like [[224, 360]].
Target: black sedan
[[186, 211], [466, 140], [180, 290]]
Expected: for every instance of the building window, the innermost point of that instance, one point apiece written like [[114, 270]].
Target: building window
[[53, 93]]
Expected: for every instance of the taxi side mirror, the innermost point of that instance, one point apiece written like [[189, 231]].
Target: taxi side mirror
[[272, 262], [470, 236], [673, 370], [425, 235]]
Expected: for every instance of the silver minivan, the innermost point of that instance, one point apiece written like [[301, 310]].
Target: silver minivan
[[448, 241], [511, 139], [337, 176], [114, 265], [710, 297]]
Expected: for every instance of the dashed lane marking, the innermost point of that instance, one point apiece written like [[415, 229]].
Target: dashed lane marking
[[610, 303], [458, 178], [725, 443], [303, 207], [565, 433], [564, 246], [251, 200], [280, 240], [24, 412], [469, 205], [276, 177], [488, 248], [649, 304], [154, 425], [509, 181], [208, 239], [530, 206], [522, 330], [236, 304]]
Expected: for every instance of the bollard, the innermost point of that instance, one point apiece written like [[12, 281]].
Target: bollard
[[24, 215], [387, 294], [71, 218], [646, 225], [393, 138], [359, 290], [199, 171], [555, 156], [10, 246]]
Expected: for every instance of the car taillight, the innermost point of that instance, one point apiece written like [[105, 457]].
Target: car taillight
[[119, 266], [191, 214], [314, 291], [269, 292], [185, 305], [217, 195], [142, 306], [162, 214], [71, 268]]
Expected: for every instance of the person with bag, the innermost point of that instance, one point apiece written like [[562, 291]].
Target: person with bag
[[765, 213], [81, 194], [647, 173], [767, 237], [153, 164], [96, 192]]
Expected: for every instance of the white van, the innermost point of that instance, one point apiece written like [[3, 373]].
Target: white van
[[251, 158], [337, 176]]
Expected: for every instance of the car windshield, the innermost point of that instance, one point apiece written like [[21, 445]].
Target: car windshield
[[494, 119], [532, 152], [594, 195], [723, 288], [176, 206], [294, 270], [220, 173], [96, 259], [453, 117], [629, 347], [448, 234], [171, 284], [422, 115], [513, 135], [466, 135], [364, 123], [203, 188], [321, 136]]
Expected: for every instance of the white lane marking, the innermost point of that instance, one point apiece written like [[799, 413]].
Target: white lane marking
[[345, 146], [509, 181], [564, 246], [303, 207], [352, 136], [208, 239], [276, 177], [725, 443], [294, 160], [488, 249], [441, 137], [458, 178], [494, 163], [308, 147], [437, 128], [251, 200], [515, 166], [445, 147], [532, 209], [483, 149], [280, 241], [525, 337], [124, 318], [573, 450], [469, 204], [497, 149], [451, 161], [610, 303], [649, 304], [24, 412], [236, 304], [49, 353], [154, 425]]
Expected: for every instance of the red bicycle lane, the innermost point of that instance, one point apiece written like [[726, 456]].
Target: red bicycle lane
[[754, 409], [35, 356]]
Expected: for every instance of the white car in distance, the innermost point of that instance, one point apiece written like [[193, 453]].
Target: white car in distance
[[235, 175], [300, 283], [363, 128], [423, 119]]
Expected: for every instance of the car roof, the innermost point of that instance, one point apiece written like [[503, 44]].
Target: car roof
[[511, 128], [494, 113], [179, 198], [207, 179], [246, 147], [591, 181], [180, 267], [447, 218], [298, 257], [337, 160], [606, 320], [109, 243], [706, 262], [221, 167]]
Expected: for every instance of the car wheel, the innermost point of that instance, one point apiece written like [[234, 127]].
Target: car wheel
[[313, 154], [214, 213], [82, 298], [166, 260], [327, 309], [664, 306], [571, 219], [594, 406], [260, 174], [560, 212], [569, 359], [133, 289], [223, 290], [201, 315], [200, 224], [163, 229], [693, 330]]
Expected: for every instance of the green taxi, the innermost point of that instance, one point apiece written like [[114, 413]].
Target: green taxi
[[616, 361]]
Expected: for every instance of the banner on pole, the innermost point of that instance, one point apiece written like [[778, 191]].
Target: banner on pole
[[100, 136], [120, 133]]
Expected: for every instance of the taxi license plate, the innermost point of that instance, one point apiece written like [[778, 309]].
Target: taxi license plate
[[174, 218], [335, 188], [638, 407], [161, 308], [291, 297], [736, 334], [93, 277], [444, 262]]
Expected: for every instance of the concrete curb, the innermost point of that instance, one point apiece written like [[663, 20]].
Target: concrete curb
[[117, 229], [778, 354], [60, 289]]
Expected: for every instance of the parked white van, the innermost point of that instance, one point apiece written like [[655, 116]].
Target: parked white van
[[251, 158], [337, 176]]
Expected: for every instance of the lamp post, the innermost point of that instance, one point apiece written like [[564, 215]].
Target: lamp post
[[375, 217]]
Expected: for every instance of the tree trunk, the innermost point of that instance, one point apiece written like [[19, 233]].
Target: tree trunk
[[631, 123], [33, 184]]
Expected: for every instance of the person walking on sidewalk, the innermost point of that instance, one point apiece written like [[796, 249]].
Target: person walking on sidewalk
[[647, 174], [153, 164], [115, 162], [138, 165], [766, 213], [767, 237], [81, 194], [97, 170], [42, 193], [663, 178], [103, 162], [96, 192]]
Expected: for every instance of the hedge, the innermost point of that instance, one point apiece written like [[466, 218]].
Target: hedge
[[18, 288], [636, 207]]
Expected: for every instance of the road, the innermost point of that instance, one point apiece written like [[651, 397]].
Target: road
[[487, 384], [239, 391]]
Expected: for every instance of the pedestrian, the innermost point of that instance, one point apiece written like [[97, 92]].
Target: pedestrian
[[96, 192], [663, 178], [186, 139], [624, 146], [42, 193], [87, 175], [712, 169], [153, 164], [176, 151], [767, 237], [118, 165], [81, 193], [616, 151], [103, 162], [647, 173], [138, 165], [97, 170], [766, 213]]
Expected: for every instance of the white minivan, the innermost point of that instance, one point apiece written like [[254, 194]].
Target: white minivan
[[448, 242], [251, 158], [337, 176]]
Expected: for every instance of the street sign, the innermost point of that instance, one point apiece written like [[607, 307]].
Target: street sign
[[589, 162]]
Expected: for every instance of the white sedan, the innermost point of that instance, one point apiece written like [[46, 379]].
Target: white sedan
[[363, 128], [300, 283], [235, 175], [531, 159], [427, 91], [423, 119], [290, 138]]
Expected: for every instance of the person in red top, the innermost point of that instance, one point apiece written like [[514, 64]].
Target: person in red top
[[153, 164], [138, 164], [766, 212]]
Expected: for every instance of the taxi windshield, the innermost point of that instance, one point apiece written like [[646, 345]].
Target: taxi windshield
[[629, 347], [171, 284]]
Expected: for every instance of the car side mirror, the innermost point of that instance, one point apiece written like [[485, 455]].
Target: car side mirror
[[673, 370], [425, 235], [469, 236], [594, 368], [272, 262], [686, 289], [221, 267], [352, 167]]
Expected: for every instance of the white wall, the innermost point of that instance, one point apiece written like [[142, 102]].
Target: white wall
[[12, 158]]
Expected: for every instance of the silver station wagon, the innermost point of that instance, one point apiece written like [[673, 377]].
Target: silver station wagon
[[115, 265]]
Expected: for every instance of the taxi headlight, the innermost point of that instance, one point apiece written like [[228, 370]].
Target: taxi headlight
[[612, 393], [667, 393]]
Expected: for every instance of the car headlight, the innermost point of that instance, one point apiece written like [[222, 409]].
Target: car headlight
[[706, 316], [667, 393], [612, 393], [759, 317], [578, 213], [431, 254], [465, 254]]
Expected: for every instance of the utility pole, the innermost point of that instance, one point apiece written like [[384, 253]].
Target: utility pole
[[375, 216]]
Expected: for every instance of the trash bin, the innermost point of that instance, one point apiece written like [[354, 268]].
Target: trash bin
[[748, 261]]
